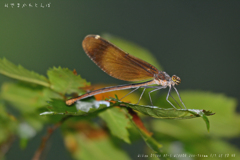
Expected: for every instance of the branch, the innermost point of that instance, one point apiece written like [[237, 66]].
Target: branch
[[5, 146], [46, 137]]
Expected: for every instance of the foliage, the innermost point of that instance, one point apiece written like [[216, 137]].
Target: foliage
[[39, 101]]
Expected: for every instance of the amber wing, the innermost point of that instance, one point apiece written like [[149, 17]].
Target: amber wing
[[116, 62]]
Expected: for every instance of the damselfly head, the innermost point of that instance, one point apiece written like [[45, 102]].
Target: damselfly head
[[176, 79]]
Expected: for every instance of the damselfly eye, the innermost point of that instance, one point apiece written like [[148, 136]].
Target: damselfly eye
[[176, 79]]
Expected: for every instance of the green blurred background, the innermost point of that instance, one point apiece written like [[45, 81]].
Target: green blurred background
[[196, 40]]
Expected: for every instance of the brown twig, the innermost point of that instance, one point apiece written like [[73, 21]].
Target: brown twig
[[50, 130], [5, 146]]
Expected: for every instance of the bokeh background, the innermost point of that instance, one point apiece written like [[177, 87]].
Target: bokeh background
[[196, 40]]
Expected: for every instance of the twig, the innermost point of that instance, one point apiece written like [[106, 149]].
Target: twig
[[46, 137], [5, 146]]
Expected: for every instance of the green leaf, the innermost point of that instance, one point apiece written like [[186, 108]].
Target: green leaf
[[18, 72], [92, 143], [117, 122], [100, 149], [58, 106], [27, 98], [65, 81], [165, 113], [168, 113], [204, 117], [133, 49], [225, 123]]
